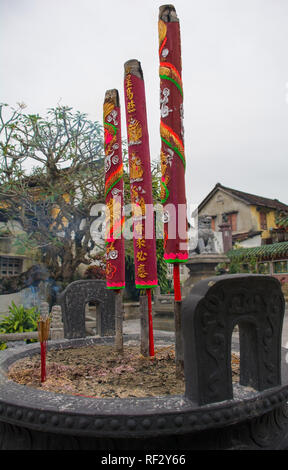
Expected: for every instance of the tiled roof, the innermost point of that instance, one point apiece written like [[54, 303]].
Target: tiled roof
[[248, 198], [245, 235], [276, 250]]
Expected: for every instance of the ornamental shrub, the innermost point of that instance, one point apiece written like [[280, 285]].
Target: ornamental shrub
[[19, 320]]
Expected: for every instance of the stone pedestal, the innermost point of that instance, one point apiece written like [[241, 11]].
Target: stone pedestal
[[202, 266]]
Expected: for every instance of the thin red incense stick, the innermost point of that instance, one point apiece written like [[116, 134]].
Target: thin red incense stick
[[43, 361]]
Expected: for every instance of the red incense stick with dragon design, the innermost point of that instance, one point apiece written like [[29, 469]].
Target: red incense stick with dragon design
[[114, 199], [173, 162], [140, 185]]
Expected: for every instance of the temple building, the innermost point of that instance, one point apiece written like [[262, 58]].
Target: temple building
[[253, 219]]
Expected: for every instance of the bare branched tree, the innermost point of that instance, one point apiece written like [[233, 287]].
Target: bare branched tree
[[51, 174]]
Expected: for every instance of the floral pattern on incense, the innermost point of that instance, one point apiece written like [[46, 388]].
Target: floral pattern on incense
[[140, 183], [173, 196], [114, 197]]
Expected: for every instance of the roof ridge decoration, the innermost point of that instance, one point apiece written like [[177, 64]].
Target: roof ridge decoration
[[264, 251]]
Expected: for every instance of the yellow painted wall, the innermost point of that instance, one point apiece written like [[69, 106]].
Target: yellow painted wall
[[271, 222]]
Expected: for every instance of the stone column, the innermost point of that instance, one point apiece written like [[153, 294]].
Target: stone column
[[56, 328], [226, 230]]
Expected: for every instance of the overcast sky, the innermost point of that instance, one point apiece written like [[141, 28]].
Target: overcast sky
[[235, 76]]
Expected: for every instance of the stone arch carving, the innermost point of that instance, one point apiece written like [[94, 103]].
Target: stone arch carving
[[209, 314], [73, 300]]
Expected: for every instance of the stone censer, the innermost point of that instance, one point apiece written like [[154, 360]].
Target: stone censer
[[212, 414]]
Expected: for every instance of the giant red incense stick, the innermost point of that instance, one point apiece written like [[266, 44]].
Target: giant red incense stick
[[114, 193], [114, 199], [172, 136], [173, 163], [140, 184]]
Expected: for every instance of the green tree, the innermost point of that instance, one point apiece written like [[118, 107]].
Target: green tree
[[19, 320], [51, 174]]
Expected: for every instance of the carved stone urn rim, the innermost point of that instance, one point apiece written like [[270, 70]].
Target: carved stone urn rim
[[141, 417]]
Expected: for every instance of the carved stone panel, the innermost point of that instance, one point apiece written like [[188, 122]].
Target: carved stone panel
[[73, 300], [215, 305]]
